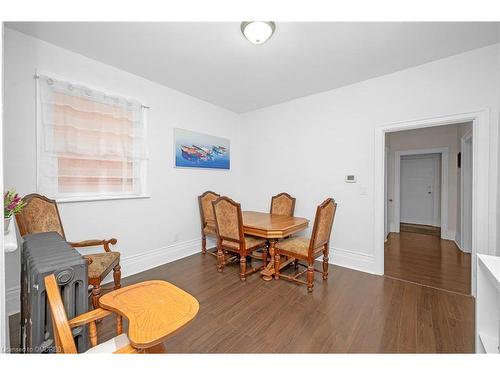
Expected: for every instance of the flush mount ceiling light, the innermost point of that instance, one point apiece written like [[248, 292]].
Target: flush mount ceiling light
[[257, 32]]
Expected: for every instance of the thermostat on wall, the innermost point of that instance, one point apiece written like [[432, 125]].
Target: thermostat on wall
[[350, 178]]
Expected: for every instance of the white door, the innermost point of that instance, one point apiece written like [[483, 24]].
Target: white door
[[420, 194]]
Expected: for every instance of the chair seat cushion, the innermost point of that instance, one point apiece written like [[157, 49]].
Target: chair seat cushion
[[110, 346], [210, 230], [296, 245], [249, 243], [102, 263]]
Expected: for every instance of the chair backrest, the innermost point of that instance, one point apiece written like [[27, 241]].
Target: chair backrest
[[323, 222], [282, 204], [228, 220], [39, 215], [62, 332], [206, 209]]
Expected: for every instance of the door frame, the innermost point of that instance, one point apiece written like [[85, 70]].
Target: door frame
[[483, 239], [465, 138], [444, 186]]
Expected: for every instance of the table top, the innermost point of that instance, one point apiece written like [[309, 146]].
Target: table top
[[154, 310], [266, 225]]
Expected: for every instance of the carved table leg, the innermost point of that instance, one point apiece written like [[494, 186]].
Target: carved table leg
[[268, 272]]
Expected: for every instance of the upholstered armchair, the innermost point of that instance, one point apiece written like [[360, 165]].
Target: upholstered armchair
[[230, 237], [207, 218], [42, 215], [282, 204], [308, 249]]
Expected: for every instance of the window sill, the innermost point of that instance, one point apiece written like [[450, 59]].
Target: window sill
[[108, 198]]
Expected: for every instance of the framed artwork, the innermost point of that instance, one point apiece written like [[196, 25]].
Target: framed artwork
[[198, 150]]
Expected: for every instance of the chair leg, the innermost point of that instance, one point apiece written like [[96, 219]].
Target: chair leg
[[310, 277], [117, 276], [264, 256], [220, 259], [203, 244], [325, 263], [243, 268], [96, 294], [276, 266], [296, 264]]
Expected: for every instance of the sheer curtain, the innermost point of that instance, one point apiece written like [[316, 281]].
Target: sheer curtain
[[90, 144]]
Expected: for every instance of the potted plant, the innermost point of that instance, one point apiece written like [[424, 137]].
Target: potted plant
[[12, 205]]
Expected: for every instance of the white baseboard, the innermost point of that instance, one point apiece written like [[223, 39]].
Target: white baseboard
[[448, 234], [460, 247], [353, 259], [153, 258], [131, 265]]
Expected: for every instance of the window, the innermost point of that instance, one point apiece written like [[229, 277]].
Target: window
[[90, 144]]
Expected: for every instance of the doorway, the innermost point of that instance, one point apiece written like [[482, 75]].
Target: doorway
[[422, 245]]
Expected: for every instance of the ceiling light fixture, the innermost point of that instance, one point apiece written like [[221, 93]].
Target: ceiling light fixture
[[257, 32]]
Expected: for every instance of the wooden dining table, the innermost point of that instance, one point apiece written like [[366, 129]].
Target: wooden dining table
[[272, 227]]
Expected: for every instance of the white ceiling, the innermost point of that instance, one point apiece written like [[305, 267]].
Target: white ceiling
[[213, 61]]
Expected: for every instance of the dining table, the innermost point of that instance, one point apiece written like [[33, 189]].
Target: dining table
[[273, 228]]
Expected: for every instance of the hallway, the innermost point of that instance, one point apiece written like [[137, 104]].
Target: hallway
[[428, 260]]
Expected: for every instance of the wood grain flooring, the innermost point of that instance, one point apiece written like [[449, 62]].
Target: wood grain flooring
[[428, 260], [352, 312]]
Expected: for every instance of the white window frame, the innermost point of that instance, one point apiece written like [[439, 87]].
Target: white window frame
[[88, 198]]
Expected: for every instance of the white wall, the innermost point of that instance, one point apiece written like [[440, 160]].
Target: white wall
[[149, 231], [306, 146], [435, 137]]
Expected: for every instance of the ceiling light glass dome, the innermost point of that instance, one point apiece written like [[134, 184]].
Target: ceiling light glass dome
[[257, 32]]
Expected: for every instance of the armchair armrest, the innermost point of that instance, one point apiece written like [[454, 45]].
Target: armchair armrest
[[88, 317], [88, 243]]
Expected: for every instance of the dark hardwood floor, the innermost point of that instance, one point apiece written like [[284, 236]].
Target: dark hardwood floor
[[352, 312], [428, 260], [422, 229]]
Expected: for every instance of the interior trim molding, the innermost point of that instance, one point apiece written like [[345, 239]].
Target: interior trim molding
[[483, 221]]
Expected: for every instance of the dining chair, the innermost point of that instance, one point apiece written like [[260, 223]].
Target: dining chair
[[207, 219], [230, 237], [64, 342], [282, 204], [42, 215], [309, 248]]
